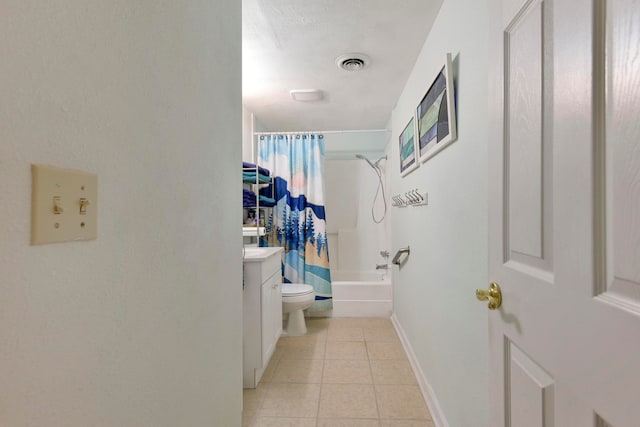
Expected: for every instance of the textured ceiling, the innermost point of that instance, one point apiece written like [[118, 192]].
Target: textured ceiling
[[293, 44]]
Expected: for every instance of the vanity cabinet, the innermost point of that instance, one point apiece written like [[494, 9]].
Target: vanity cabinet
[[262, 310]]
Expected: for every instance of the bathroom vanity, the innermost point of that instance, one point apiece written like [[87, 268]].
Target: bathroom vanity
[[262, 310]]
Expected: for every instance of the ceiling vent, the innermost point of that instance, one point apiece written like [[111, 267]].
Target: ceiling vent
[[352, 61]]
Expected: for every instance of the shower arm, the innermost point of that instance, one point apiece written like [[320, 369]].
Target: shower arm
[[375, 166]]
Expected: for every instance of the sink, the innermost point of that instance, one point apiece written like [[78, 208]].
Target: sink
[[253, 253]]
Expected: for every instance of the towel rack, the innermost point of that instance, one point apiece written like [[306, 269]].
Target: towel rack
[[410, 198], [396, 259]]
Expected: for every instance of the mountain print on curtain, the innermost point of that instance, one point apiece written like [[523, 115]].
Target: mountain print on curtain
[[298, 221]]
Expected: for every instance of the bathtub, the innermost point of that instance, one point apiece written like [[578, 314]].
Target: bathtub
[[361, 294]]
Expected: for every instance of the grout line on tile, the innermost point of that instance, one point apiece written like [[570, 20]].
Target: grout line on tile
[[373, 384], [324, 362]]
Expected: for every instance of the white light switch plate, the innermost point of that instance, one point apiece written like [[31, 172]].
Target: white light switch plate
[[57, 200]]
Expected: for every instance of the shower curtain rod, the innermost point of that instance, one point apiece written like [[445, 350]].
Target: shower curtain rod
[[322, 131]]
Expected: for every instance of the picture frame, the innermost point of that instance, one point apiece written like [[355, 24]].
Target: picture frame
[[407, 148], [436, 114]]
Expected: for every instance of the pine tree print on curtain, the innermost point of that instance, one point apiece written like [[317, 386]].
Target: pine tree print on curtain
[[298, 221]]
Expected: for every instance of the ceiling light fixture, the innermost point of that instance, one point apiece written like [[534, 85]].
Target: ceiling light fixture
[[352, 61], [306, 95]]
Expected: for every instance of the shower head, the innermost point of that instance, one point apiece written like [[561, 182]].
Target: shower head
[[360, 156]]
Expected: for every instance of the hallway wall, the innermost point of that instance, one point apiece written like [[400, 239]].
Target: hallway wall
[[434, 293], [141, 327]]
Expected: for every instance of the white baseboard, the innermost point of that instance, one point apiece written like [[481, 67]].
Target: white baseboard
[[427, 392]]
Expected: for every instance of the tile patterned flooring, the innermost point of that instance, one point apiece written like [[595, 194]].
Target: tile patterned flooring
[[346, 372]]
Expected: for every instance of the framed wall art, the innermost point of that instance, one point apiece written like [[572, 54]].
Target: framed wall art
[[407, 145], [436, 114]]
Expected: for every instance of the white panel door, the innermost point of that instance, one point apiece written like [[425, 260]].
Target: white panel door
[[565, 213]]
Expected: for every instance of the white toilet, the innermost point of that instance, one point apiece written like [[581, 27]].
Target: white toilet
[[295, 298]]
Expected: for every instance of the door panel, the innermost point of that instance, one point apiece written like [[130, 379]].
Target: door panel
[[530, 391], [523, 123], [527, 142], [622, 151]]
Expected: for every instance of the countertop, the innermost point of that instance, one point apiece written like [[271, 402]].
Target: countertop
[[256, 254]]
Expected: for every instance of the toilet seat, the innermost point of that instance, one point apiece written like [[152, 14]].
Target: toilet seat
[[296, 289]]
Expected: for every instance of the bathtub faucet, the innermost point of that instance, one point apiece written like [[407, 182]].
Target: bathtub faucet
[[382, 266]]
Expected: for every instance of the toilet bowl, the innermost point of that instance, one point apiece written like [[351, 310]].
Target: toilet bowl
[[295, 298]]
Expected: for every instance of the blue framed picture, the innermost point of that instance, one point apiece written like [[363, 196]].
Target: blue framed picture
[[436, 114], [407, 147]]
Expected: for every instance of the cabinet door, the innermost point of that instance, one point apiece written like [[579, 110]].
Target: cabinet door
[[276, 317], [266, 323], [271, 316]]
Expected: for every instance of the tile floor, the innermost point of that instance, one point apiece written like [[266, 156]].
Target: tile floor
[[346, 372]]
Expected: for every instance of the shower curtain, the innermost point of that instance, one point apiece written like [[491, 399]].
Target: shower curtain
[[298, 219]]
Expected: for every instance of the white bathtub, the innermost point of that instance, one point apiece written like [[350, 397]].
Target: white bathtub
[[361, 294]]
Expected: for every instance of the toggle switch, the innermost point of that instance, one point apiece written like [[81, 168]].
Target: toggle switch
[[83, 205], [57, 209]]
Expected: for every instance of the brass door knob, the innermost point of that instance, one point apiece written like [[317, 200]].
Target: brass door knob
[[493, 295]]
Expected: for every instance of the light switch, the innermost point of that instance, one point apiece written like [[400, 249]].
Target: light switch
[[64, 205]]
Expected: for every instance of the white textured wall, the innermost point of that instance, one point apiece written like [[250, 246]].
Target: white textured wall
[[247, 136], [434, 294], [250, 123], [346, 145], [141, 327]]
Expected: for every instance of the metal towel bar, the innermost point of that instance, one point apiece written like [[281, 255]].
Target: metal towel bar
[[396, 258]]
